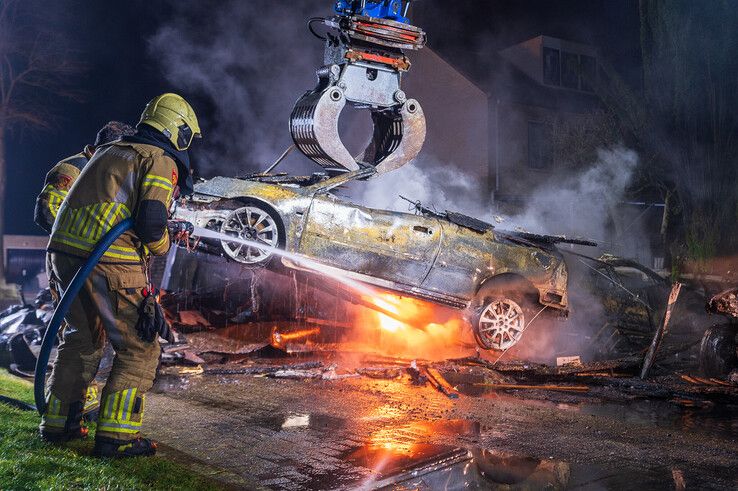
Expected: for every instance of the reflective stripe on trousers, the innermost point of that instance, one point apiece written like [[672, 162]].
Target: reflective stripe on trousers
[[121, 413]]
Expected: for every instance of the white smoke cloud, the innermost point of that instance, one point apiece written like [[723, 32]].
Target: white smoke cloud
[[246, 63], [426, 180], [579, 204]]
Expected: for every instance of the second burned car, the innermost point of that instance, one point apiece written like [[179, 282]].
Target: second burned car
[[501, 280]]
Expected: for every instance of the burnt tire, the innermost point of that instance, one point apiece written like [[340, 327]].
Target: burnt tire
[[254, 221], [501, 313], [718, 351]]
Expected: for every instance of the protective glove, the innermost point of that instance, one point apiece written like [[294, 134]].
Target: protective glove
[[180, 230], [151, 321]]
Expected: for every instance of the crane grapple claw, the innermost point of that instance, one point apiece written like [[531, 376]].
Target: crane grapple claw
[[364, 66], [399, 133]]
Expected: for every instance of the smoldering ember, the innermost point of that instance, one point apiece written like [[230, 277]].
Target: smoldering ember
[[368, 244]]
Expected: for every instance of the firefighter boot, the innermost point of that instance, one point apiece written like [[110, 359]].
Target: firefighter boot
[[119, 424], [116, 449], [62, 422]]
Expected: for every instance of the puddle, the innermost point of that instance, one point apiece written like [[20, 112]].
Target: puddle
[[478, 469], [412, 456], [711, 419], [720, 420], [496, 470], [429, 467], [386, 461], [403, 458]]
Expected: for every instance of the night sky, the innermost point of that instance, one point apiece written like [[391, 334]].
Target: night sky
[[123, 75]]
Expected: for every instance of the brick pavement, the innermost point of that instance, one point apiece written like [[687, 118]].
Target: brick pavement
[[301, 434]]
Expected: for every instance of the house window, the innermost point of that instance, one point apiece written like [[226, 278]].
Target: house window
[[588, 70], [551, 66], [570, 70], [539, 145]]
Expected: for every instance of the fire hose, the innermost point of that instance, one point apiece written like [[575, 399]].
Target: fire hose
[[39, 383]]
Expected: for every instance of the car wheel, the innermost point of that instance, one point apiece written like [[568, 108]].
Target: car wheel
[[501, 316], [718, 351], [254, 223]]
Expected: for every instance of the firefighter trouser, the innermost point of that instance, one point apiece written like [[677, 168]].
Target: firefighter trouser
[[92, 398], [106, 307]]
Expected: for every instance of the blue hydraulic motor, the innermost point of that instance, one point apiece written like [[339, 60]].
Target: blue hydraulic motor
[[382, 9]]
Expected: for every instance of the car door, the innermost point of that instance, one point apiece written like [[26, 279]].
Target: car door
[[393, 246], [622, 298]]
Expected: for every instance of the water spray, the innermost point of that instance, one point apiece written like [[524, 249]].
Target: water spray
[[308, 263]]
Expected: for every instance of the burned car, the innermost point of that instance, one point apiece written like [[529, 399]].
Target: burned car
[[502, 280], [22, 328], [634, 298]]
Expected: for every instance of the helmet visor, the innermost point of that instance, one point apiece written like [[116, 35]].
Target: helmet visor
[[184, 136]]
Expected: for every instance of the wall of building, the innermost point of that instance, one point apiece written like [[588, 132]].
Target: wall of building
[[456, 114], [513, 167]]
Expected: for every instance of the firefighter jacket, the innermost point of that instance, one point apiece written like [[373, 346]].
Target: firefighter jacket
[[56, 186], [122, 180]]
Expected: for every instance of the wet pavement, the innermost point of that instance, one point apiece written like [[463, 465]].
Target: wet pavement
[[257, 432]]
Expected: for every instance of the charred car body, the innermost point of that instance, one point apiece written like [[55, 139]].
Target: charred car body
[[500, 279], [21, 330], [634, 299]]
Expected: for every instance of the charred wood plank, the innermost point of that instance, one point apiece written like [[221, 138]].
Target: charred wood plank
[[567, 388], [661, 331], [440, 383]]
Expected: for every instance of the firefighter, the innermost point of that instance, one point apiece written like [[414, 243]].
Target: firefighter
[[58, 182], [136, 177], [60, 178]]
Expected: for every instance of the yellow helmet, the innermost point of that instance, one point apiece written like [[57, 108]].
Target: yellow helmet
[[174, 117]]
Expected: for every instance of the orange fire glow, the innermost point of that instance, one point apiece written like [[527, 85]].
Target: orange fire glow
[[429, 331], [279, 339]]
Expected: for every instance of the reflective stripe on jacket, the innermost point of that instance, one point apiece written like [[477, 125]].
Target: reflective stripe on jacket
[[58, 181], [122, 180]]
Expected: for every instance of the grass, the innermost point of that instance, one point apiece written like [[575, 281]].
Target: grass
[[28, 463]]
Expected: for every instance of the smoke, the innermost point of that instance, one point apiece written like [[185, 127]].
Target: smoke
[[581, 204], [427, 180], [245, 64]]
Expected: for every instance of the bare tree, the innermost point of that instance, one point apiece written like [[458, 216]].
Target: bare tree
[[35, 69], [683, 122]]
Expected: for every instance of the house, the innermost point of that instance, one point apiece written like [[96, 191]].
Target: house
[[542, 82], [544, 86], [456, 114]]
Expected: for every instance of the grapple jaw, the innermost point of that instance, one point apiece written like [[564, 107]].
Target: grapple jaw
[[364, 69], [398, 137]]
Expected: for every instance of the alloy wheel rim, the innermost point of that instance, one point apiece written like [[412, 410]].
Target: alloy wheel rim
[[254, 224], [501, 324]]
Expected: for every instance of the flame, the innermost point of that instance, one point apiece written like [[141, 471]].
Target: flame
[[429, 331], [393, 304], [279, 339]]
